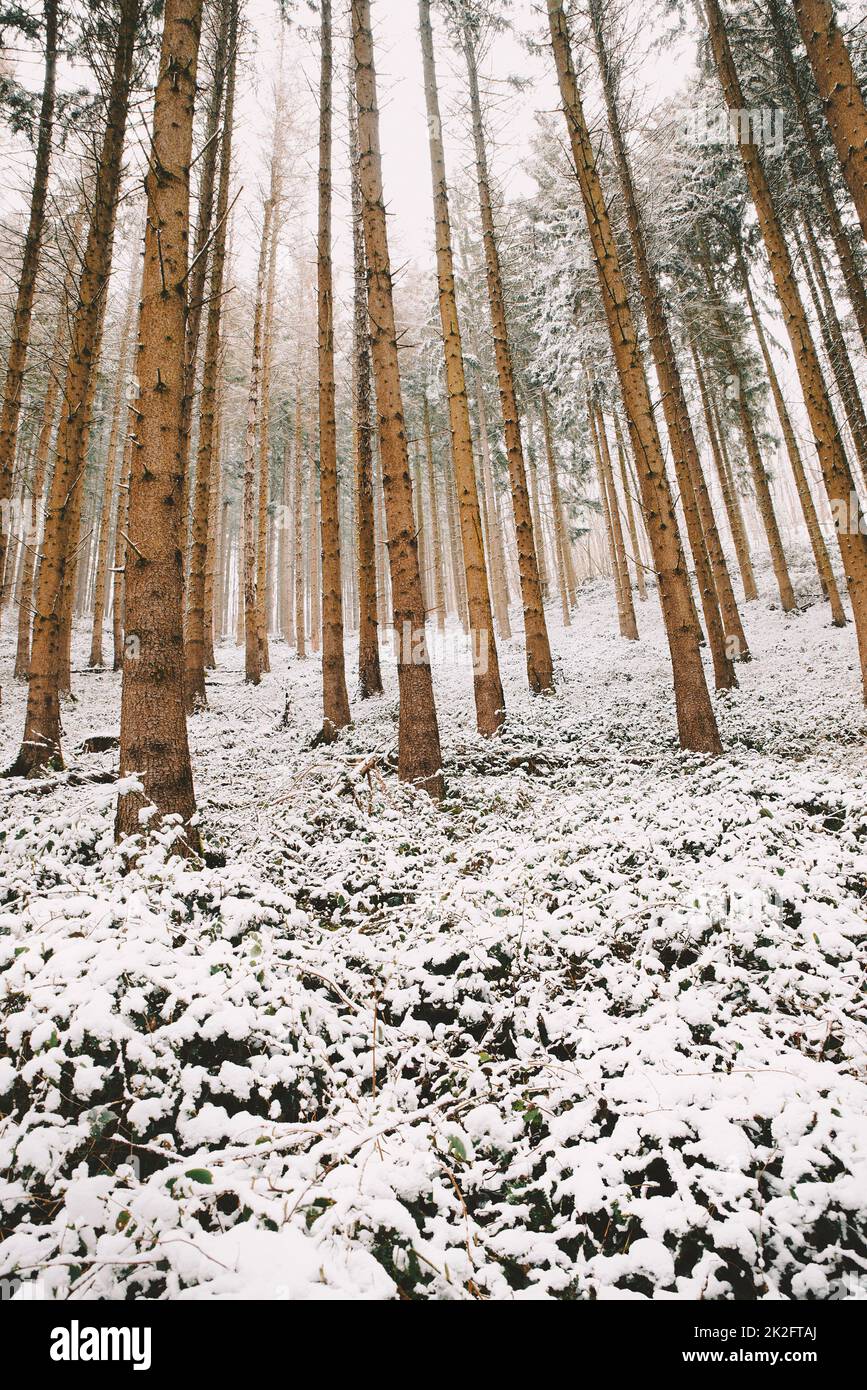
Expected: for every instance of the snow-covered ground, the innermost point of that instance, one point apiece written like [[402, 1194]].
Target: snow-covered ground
[[593, 1028]]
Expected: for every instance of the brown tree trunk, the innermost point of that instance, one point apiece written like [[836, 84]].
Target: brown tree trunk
[[262, 523], [540, 670], [439, 594], [224, 57], [42, 730], [695, 716], [630, 511], [711, 573], [369, 672], [194, 623], [298, 532], [252, 651], [153, 725], [834, 343], [767, 511], [487, 686], [835, 468], [335, 697], [731, 500], [842, 245], [23, 311], [118, 421], [419, 756], [840, 93], [557, 508], [43, 449], [611, 507], [811, 520]]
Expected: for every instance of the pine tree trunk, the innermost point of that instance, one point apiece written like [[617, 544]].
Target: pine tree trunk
[[855, 288], [298, 534], [713, 581], [767, 511], [369, 672], [487, 686], [611, 507], [811, 520], [695, 716], [540, 671], [835, 468], [118, 420], [630, 511], [729, 495], [43, 449], [840, 93], [42, 730], [439, 594], [834, 343], [262, 523], [26, 293], [557, 507], [419, 756], [224, 58], [335, 697], [194, 622], [252, 651], [153, 726]]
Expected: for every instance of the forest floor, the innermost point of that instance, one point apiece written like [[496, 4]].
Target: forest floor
[[593, 1028]]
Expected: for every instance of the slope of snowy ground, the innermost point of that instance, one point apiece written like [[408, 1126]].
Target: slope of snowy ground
[[593, 1028]]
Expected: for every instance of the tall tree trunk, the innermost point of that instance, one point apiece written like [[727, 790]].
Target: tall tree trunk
[[120, 553], [765, 501], [43, 449], [487, 686], [23, 311], [611, 507], [369, 672], [557, 508], [42, 730], [730, 498], [835, 468], [630, 511], [841, 96], [540, 670], [695, 716], [834, 342], [118, 422], [262, 522], [811, 520], [439, 594], [252, 651], [298, 531], [224, 56], [711, 573], [194, 624], [153, 725], [855, 288], [419, 756], [335, 697]]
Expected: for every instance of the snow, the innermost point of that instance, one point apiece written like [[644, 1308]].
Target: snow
[[593, 1028]]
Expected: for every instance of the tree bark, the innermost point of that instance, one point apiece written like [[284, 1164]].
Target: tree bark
[[695, 716], [335, 697], [841, 96], [540, 670], [487, 686], [118, 421], [811, 520], [23, 312], [41, 744], [835, 468], [419, 756], [153, 726]]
